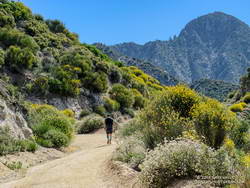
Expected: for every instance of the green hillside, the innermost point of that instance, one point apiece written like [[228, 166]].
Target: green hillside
[[214, 88], [42, 58]]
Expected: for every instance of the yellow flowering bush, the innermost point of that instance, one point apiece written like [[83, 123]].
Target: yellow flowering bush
[[246, 160], [212, 120], [167, 115], [69, 113], [182, 99], [229, 145], [237, 107], [51, 127]]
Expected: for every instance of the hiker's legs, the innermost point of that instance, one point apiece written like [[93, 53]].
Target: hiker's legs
[[107, 138], [110, 138]]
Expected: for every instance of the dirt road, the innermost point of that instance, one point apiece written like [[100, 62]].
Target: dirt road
[[83, 169]]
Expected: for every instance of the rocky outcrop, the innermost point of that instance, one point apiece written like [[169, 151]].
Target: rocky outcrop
[[11, 115], [14, 120], [87, 100]]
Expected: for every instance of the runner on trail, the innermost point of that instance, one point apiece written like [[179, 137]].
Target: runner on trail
[[109, 128]]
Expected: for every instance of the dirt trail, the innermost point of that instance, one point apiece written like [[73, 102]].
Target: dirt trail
[[83, 169]]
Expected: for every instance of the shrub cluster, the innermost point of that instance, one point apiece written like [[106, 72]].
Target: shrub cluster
[[19, 59], [51, 127], [97, 82], [90, 124], [132, 151], [122, 95], [13, 37], [167, 115], [84, 113], [9, 144], [187, 135], [100, 110], [240, 135], [139, 99], [185, 158], [111, 105]]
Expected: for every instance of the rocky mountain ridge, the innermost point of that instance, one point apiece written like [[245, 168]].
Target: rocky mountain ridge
[[214, 46], [162, 75]]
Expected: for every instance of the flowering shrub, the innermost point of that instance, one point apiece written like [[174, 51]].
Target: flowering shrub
[[181, 99], [182, 159], [167, 116], [212, 120], [69, 113], [131, 151], [51, 127], [237, 107]]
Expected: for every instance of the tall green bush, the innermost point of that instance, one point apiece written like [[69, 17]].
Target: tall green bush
[[241, 136], [56, 26], [122, 95], [6, 19], [14, 37], [19, 58], [111, 105], [97, 82]]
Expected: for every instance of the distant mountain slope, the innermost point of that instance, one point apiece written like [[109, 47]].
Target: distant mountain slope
[[214, 88], [214, 46], [162, 75]]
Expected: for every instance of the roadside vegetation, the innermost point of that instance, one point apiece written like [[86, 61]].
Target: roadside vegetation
[[182, 135]]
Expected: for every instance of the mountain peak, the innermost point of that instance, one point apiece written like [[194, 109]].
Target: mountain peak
[[214, 46], [213, 29]]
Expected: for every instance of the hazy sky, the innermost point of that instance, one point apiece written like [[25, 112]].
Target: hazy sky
[[140, 21]]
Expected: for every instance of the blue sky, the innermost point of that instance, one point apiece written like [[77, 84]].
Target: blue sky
[[140, 21]]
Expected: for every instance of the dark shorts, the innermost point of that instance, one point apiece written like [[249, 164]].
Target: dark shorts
[[109, 131]]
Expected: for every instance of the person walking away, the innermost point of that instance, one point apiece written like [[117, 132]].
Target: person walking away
[[109, 128]]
